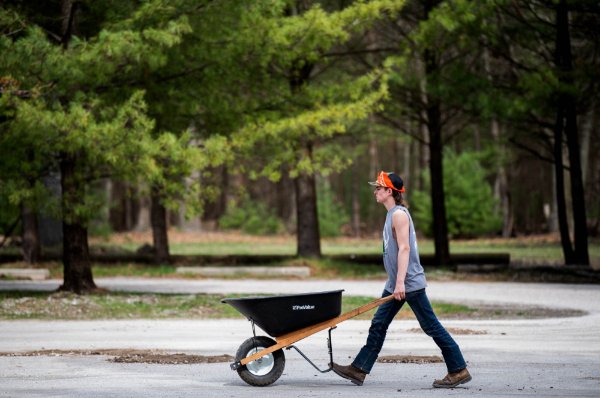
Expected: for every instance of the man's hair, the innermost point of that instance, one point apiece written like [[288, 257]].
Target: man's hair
[[399, 198]]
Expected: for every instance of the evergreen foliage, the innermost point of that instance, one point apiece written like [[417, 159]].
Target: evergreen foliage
[[82, 101], [470, 203], [332, 215], [156, 93], [298, 102], [252, 218]]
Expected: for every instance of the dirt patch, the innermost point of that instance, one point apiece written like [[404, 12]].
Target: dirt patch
[[171, 359], [494, 311], [498, 311], [419, 359], [130, 356], [457, 331]]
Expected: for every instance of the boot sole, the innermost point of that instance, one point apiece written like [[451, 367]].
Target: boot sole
[[463, 381], [354, 381]]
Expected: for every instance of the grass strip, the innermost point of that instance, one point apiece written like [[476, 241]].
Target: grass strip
[[68, 306]]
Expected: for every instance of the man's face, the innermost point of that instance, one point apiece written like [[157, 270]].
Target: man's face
[[381, 194]]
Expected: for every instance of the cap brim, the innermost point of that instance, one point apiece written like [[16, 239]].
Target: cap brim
[[375, 184]]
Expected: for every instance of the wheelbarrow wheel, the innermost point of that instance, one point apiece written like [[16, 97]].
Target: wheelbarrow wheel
[[265, 370]]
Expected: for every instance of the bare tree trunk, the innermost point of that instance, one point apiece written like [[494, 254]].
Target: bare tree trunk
[[586, 133], [115, 212], [566, 122], [436, 167], [373, 157], [396, 160], [501, 192], [373, 170], [31, 246], [69, 16], [158, 215], [31, 243], [309, 240], [440, 226], [588, 128], [77, 269], [501, 185], [355, 198], [424, 146], [130, 208], [553, 219], [561, 205], [285, 199], [76, 258], [406, 171]]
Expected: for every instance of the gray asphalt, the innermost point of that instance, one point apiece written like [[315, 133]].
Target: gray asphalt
[[557, 357]]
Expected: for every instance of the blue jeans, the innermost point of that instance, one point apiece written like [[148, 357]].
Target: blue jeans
[[419, 303]]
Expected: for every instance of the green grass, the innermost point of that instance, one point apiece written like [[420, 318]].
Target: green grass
[[43, 305], [323, 268], [327, 268], [135, 270], [239, 248], [519, 250]]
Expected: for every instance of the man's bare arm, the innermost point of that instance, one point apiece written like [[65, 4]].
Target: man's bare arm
[[401, 226]]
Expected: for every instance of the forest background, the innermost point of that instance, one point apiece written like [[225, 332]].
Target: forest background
[[270, 116]]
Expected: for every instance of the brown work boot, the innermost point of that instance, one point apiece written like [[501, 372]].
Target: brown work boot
[[355, 375], [453, 379]]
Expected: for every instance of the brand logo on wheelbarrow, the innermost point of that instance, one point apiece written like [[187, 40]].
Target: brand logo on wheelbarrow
[[303, 307]]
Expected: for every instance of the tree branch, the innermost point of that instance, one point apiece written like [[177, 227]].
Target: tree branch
[[398, 126], [360, 52], [158, 79], [533, 152]]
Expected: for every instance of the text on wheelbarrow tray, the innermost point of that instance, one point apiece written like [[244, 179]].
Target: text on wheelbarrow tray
[[303, 307]]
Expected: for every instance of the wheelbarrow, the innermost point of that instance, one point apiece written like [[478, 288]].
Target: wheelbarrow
[[260, 360]]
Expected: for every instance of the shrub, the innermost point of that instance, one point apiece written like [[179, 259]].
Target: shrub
[[332, 215], [251, 217], [470, 204]]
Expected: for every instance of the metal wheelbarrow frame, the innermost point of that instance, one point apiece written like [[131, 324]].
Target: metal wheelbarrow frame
[[260, 360]]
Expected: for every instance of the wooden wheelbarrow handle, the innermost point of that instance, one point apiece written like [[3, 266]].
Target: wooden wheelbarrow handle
[[292, 337]]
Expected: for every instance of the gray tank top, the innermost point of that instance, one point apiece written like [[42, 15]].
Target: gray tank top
[[415, 275]]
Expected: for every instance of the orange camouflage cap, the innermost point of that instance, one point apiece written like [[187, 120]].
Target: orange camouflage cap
[[389, 180]]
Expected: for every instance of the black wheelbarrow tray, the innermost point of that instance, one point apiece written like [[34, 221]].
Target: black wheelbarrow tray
[[260, 361]]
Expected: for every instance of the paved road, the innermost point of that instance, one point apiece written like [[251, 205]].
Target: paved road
[[550, 357]]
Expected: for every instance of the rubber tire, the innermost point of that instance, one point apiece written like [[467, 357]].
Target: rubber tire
[[278, 362]]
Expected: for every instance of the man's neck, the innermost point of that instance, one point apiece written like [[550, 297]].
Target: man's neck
[[389, 203]]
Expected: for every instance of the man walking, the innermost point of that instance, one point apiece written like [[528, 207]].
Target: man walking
[[406, 282]]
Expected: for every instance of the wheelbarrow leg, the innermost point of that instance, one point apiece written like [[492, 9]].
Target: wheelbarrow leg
[[309, 361], [330, 346]]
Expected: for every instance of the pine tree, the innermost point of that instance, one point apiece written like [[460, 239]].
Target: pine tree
[[68, 110], [301, 100]]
